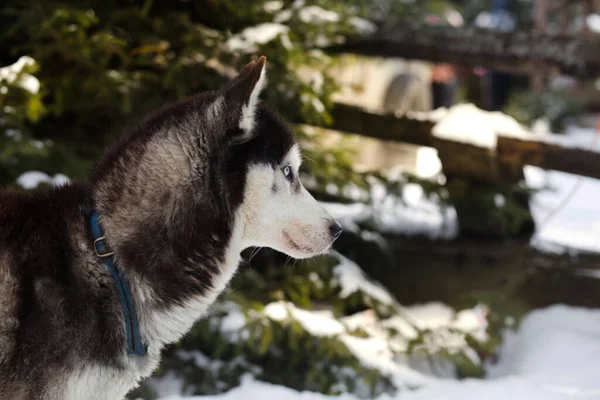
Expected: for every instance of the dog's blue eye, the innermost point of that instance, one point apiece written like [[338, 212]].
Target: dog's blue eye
[[287, 172]]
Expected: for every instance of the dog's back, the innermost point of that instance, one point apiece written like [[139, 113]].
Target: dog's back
[[49, 300]]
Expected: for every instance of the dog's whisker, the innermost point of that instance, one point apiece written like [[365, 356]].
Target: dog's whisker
[[254, 253]]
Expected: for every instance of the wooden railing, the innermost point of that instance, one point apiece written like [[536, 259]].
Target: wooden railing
[[502, 163]]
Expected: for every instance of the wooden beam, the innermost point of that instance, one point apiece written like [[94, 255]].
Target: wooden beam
[[503, 164], [576, 161], [557, 5], [518, 52], [380, 125], [466, 161]]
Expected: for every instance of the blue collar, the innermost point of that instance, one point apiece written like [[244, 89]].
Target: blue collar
[[132, 329]]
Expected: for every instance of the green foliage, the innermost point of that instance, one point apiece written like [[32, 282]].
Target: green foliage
[[285, 353], [465, 366], [309, 284], [244, 335], [490, 210], [505, 313], [240, 338], [526, 107], [21, 106], [102, 65]]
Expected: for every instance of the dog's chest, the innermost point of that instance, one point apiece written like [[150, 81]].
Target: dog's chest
[[101, 382]]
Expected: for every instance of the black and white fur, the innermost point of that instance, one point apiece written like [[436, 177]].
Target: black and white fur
[[179, 198]]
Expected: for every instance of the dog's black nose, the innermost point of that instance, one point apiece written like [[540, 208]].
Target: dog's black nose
[[336, 229]]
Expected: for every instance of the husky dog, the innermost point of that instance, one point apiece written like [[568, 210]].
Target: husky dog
[[84, 315]]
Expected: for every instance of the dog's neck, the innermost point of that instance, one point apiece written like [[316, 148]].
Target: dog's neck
[[178, 250], [161, 324], [165, 317]]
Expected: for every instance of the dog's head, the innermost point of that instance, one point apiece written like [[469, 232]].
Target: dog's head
[[277, 210], [215, 159]]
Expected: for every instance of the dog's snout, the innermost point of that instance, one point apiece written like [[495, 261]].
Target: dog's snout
[[336, 229]]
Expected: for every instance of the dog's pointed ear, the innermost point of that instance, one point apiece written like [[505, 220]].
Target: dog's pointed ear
[[241, 97]]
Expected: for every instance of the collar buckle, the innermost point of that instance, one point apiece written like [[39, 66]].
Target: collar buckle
[[100, 248]]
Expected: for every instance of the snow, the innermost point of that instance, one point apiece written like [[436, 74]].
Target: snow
[[450, 325], [209, 364], [432, 315], [317, 15], [13, 74], [446, 328], [566, 212], [313, 15], [414, 214], [574, 137], [362, 26], [283, 16], [420, 215], [557, 328], [373, 351], [593, 22], [32, 179], [468, 124], [251, 389], [576, 224], [234, 320], [499, 200], [247, 40], [167, 385], [473, 321], [384, 337], [428, 162], [272, 6], [352, 279], [553, 356], [378, 350], [317, 323]]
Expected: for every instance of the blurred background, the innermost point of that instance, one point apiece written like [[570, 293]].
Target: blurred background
[[455, 141]]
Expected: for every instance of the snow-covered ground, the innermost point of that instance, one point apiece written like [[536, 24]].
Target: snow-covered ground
[[384, 343], [567, 213], [575, 226], [555, 355]]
